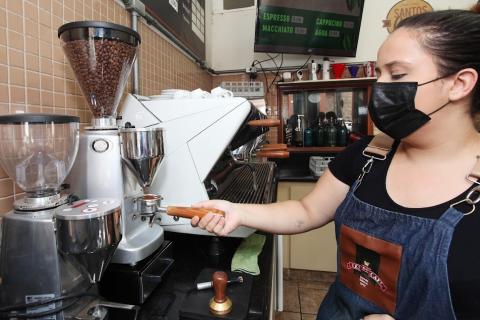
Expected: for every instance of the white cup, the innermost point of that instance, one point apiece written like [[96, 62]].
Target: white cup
[[219, 92]]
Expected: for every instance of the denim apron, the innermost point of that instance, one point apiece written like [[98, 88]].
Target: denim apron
[[390, 262]]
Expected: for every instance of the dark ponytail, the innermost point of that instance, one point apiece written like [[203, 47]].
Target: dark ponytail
[[453, 38]]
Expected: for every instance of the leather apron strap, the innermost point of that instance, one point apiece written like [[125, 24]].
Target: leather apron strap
[[380, 146]]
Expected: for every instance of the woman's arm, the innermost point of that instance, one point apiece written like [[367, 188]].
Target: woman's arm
[[314, 210]]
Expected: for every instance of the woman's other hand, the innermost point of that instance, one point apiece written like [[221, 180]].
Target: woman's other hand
[[220, 225]]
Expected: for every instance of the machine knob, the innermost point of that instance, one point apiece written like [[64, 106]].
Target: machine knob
[[100, 145]]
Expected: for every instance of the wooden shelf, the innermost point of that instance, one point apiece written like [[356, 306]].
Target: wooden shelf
[[315, 149]]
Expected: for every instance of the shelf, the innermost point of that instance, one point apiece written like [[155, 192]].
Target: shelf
[[315, 149]]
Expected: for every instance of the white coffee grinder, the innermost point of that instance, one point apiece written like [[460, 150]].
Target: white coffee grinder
[[118, 162], [53, 250]]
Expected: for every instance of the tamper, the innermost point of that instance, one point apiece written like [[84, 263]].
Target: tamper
[[220, 304]]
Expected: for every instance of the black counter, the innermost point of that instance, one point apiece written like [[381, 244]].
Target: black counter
[[296, 168], [191, 255]]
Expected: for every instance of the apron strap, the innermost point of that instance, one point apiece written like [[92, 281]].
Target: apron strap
[[377, 149], [380, 146], [473, 196]]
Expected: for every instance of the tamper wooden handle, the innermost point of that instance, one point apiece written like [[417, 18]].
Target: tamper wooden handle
[[220, 279], [220, 304], [189, 213]]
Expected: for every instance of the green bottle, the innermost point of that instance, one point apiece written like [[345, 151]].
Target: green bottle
[[342, 133], [320, 135], [308, 137], [330, 135]]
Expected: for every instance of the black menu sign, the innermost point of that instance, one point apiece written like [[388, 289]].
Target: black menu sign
[[185, 19]]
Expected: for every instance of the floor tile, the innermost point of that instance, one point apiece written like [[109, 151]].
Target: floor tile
[[288, 316], [310, 299], [306, 316], [290, 283], [291, 300], [322, 285]]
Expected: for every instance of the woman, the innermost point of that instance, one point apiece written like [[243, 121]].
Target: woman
[[407, 219]]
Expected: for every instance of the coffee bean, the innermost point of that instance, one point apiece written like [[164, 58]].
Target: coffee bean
[[101, 67]]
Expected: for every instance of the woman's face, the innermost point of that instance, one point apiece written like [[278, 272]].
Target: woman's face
[[401, 58]]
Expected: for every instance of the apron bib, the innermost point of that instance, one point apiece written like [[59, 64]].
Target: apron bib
[[390, 262]]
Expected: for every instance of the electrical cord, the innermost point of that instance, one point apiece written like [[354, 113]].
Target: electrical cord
[[303, 65], [278, 71], [264, 73]]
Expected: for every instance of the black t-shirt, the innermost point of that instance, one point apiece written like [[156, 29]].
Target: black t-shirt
[[464, 254]]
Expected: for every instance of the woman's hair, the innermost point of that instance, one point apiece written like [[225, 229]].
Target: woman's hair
[[453, 38]]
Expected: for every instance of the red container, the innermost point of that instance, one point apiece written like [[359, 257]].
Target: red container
[[338, 69]]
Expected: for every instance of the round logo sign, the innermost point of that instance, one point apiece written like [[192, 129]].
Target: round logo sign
[[404, 9]]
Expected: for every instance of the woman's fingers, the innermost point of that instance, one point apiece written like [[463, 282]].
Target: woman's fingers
[[205, 220], [213, 222], [195, 221], [219, 227]]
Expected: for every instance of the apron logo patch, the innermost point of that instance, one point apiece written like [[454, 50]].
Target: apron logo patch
[[370, 267], [366, 271]]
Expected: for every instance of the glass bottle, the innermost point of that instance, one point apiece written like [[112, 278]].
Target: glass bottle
[[330, 135], [320, 134], [308, 137], [342, 133], [299, 131]]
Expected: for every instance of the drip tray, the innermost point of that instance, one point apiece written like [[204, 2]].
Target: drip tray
[[133, 284]]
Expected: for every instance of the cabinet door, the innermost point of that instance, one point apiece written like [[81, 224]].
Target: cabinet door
[[313, 250]]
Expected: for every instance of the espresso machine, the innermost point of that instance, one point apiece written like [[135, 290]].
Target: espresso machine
[[53, 249]]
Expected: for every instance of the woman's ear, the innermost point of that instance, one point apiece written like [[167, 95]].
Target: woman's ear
[[463, 84]]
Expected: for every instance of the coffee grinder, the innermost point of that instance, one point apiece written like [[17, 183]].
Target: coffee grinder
[[101, 55], [117, 162], [53, 250]]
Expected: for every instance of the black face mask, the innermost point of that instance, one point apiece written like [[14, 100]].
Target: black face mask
[[392, 108]]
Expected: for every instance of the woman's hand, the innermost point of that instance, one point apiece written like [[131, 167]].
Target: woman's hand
[[216, 223], [378, 317]]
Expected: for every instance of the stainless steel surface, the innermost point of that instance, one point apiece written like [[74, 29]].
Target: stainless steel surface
[[238, 188], [103, 123], [148, 204], [30, 264], [142, 151], [28, 204], [91, 241], [136, 74]]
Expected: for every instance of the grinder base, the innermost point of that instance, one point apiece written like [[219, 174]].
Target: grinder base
[[134, 284]]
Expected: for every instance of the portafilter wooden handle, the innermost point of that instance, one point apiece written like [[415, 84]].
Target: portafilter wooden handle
[[274, 147], [189, 212], [273, 154], [264, 123]]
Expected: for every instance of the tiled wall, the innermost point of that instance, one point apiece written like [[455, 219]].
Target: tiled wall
[[34, 75]]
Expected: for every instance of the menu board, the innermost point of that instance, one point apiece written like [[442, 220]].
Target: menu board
[[326, 27], [185, 19]]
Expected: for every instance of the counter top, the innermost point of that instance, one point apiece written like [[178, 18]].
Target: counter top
[[191, 255], [290, 175]]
